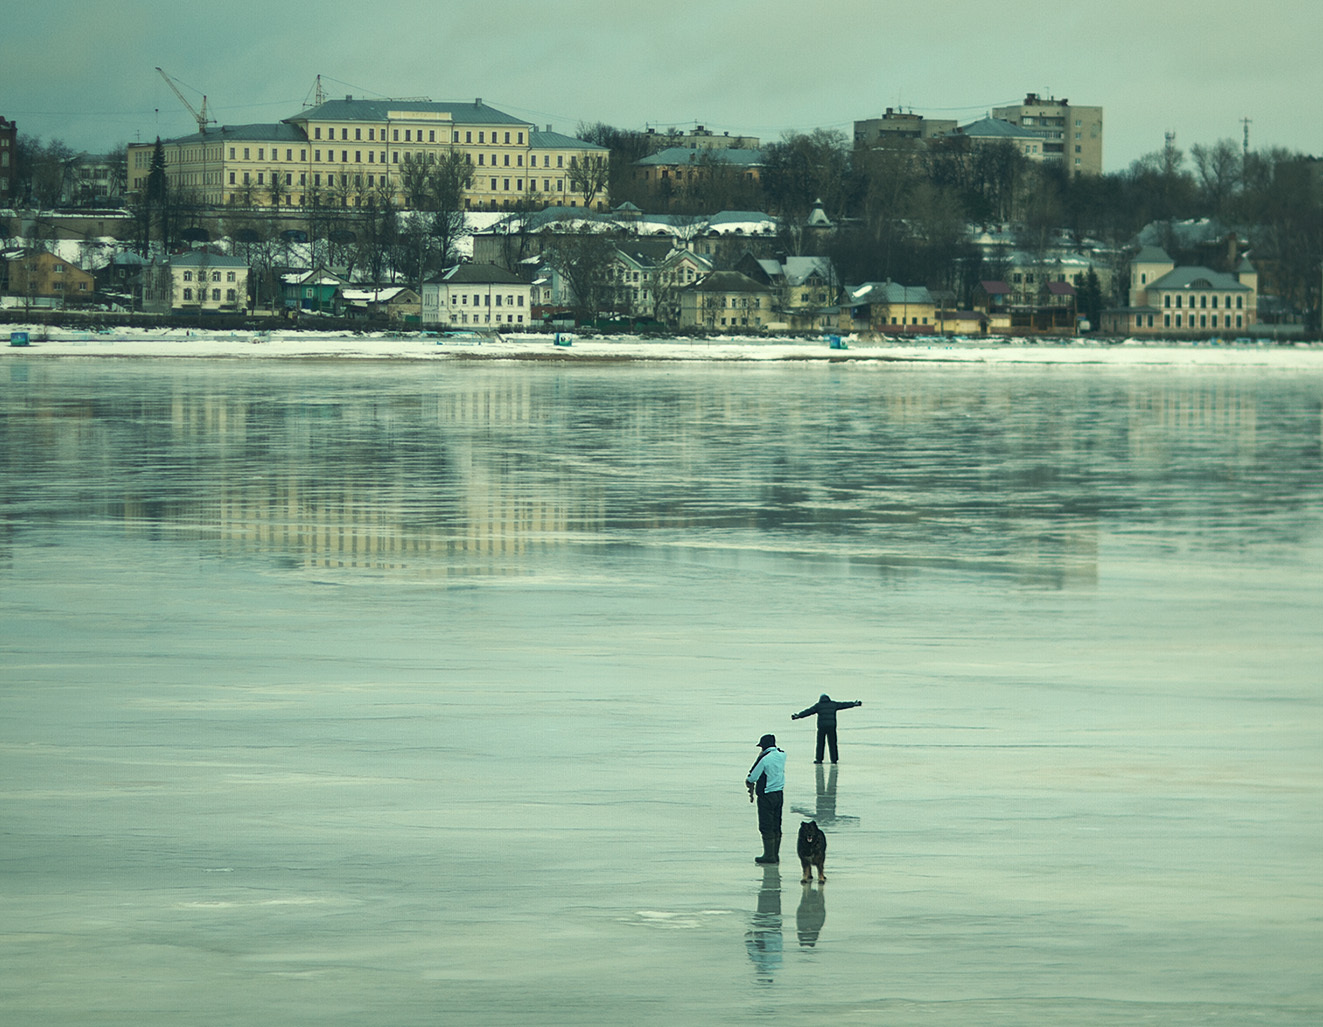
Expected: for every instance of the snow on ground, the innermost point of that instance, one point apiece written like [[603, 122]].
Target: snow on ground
[[179, 342]]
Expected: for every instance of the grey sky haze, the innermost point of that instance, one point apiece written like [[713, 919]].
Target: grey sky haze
[[738, 66]]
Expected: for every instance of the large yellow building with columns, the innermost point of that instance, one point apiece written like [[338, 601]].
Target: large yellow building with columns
[[346, 153]]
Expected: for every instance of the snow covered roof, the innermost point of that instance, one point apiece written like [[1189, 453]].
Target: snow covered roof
[[462, 112], [197, 258], [890, 293], [382, 295]]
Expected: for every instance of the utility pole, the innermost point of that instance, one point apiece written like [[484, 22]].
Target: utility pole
[[1246, 122]]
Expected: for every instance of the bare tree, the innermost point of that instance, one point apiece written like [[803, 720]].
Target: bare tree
[[588, 176], [584, 260]]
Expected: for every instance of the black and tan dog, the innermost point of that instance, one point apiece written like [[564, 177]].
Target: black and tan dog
[[812, 848]]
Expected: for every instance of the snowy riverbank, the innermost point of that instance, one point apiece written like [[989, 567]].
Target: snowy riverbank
[[185, 343]]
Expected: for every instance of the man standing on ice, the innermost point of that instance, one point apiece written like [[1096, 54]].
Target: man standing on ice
[[825, 708], [767, 781]]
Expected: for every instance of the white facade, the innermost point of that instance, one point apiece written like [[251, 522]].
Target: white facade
[[208, 281], [477, 296]]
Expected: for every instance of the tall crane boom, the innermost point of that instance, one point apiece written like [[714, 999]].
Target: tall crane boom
[[202, 119]]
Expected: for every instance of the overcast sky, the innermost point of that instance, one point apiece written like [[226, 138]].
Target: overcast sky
[[87, 75]]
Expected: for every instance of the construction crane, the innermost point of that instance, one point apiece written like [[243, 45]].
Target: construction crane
[[202, 119]]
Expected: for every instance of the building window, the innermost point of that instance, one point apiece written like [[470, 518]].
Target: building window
[[431, 135], [215, 294], [229, 295], [317, 132], [231, 153], [188, 276], [344, 133], [215, 276], [188, 294]]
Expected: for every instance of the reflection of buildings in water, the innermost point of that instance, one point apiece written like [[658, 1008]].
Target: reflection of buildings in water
[[989, 474], [825, 811], [1160, 418], [763, 939], [381, 485], [811, 914]]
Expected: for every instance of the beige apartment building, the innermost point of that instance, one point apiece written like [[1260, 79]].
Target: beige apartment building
[[346, 153], [898, 128], [1072, 135]]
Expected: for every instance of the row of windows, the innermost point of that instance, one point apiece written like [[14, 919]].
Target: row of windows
[[1205, 321], [415, 135], [372, 157], [479, 300], [215, 276], [1203, 301], [215, 295], [463, 318], [734, 301], [372, 182]]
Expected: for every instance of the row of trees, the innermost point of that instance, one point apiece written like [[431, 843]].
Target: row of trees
[[370, 238], [903, 212], [46, 174]]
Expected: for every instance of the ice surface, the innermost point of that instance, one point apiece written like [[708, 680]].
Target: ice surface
[[361, 692]]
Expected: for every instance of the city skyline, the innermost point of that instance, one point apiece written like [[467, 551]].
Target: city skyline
[[741, 68]]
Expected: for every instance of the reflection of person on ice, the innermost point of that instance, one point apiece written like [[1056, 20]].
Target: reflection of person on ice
[[767, 781], [825, 708]]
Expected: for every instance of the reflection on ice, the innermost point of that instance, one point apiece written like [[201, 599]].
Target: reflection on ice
[[763, 938], [811, 913], [417, 690], [825, 811]]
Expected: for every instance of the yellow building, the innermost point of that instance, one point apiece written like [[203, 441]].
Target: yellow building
[[40, 275], [726, 299], [348, 153]]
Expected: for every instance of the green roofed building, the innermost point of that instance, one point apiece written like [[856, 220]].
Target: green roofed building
[[353, 153]]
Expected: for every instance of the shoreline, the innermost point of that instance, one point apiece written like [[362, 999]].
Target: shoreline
[[191, 344]]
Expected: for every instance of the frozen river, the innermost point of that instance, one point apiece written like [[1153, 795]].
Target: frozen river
[[347, 693]]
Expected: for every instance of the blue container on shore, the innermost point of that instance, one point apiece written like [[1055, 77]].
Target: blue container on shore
[[18, 338]]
